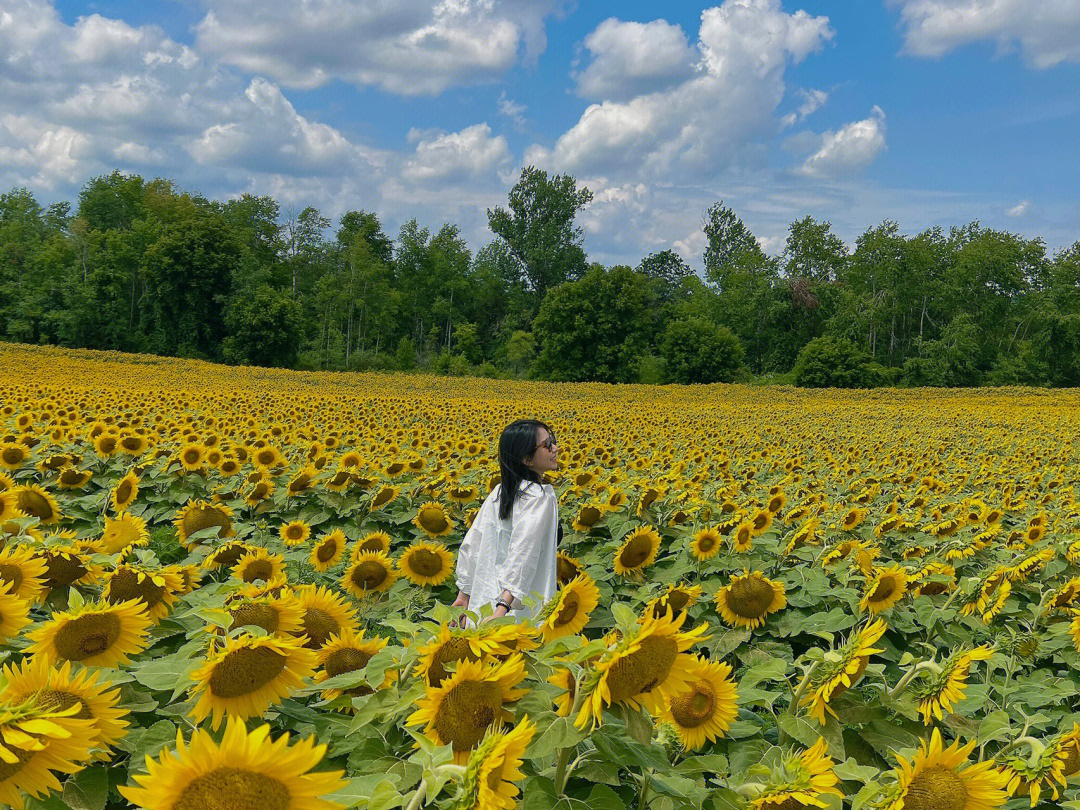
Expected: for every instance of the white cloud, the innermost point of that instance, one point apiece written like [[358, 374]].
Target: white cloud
[[470, 154], [631, 58], [849, 149], [1047, 31], [713, 118], [512, 110], [813, 100], [405, 46], [1019, 209]]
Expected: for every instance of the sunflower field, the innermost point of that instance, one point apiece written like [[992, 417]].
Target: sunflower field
[[229, 588]]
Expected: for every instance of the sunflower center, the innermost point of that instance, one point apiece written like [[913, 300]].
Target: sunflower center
[[234, 789], [294, 532], [750, 598], [677, 600], [258, 570], [425, 563], [327, 550], [433, 519], [205, 517], [936, 788], [456, 649], [570, 605], [52, 700], [319, 626], [125, 585], [1071, 765], [695, 708], [13, 574], [383, 496], [13, 455], [33, 503], [369, 574], [790, 803], [932, 588], [589, 515], [346, 660], [63, 569], [886, 587], [636, 552], [642, 671], [9, 769], [565, 569], [230, 554], [466, 711], [245, 670], [263, 616], [87, 636], [706, 543]]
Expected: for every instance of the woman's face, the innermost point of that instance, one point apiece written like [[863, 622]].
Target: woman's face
[[545, 457]]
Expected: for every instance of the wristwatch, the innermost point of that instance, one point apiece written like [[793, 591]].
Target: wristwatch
[[507, 605]]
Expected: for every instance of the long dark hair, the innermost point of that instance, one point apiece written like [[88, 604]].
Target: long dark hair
[[517, 442]]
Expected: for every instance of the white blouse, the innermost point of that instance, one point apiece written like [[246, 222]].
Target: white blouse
[[516, 555]]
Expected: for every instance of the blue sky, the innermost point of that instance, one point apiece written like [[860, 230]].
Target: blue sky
[[928, 112]]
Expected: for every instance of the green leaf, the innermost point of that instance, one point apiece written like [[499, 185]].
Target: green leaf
[[617, 748], [88, 789], [538, 793], [602, 797], [560, 734], [360, 788], [623, 615], [146, 742], [771, 670], [995, 726]]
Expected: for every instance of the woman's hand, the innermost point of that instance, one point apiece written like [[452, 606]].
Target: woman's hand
[[462, 601]]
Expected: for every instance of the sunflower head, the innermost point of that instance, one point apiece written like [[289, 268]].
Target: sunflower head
[[349, 652], [432, 519], [566, 567], [638, 551], [839, 672], [706, 543], [198, 516], [328, 550], [704, 711], [370, 572], [568, 611], [885, 588], [940, 777], [493, 768], [96, 634], [800, 779], [746, 600], [294, 533]]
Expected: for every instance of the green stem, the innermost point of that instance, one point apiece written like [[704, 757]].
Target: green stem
[[910, 676], [750, 790], [418, 797], [643, 797], [561, 776], [800, 690]]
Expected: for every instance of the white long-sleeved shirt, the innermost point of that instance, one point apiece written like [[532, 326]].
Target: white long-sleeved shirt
[[516, 554]]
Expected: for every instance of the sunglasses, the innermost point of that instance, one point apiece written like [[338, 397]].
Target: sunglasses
[[547, 444]]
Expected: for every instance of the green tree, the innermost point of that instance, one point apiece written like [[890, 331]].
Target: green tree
[[538, 229], [696, 351], [596, 328], [829, 362], [264, 328]]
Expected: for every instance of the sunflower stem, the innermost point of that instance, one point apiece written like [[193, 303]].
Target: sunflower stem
[[643, 796], [910, 676], [561, 775], [1037, 748], [418, 797], [800, 690]]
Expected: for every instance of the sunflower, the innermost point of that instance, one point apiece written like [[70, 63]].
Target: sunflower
[[454, 645], [638, 551], [266, 458], [244, 675], [124, 532], [106, 445], [372, 541], [588, 516], [258, 565], [564, 679], [1028, 777], [55, 689], [938, 692], [277, 615], [938, 778], [494, 766], [705, 543], [645, 667], [325, 614], [156, 590], [68, 563], [746, 600], [566, 567], [1062, 598], [294, 533], [677, 598], [706, 710], [853, 518], [370, 571], [14, 612], [8, 508], [303, 480], [347, 653], [568, 611], [804, 779], [924, 586], [259, 492], [463, 494], [125, 492], [884, 590], [95, 635], [226, 555], [425, 563], [742, 536], [386, 495], [805, 535], [761, 521], [36, 502], [244, 770], [13, 455], [838, 673], [432, 519], [40, 740], [199, 515], [25, 572], [465, 704], [329, 550]]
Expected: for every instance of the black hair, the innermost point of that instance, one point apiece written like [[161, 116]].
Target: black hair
[[517, 442]]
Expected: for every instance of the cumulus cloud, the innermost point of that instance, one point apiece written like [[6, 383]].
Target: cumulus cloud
[[471, 154], [407, 46], [1019, 209], [1047, 31], [813, 100], [697, 127], [849, 149], [631, 58]]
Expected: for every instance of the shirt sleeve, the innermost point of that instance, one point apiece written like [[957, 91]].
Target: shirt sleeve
[[534, 521], [466, 553]]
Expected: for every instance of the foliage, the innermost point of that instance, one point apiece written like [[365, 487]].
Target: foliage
[[828, 362], [696, 351]]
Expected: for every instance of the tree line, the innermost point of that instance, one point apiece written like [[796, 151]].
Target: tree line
[[137, 265]]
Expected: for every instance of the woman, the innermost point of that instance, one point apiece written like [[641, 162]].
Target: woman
[[509, 552]]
